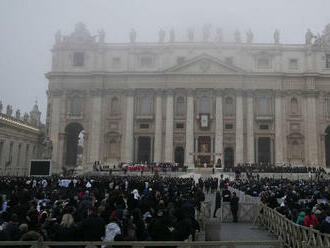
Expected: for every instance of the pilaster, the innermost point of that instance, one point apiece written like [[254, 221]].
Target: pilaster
[[129, 126], [250, 127], [158, 128], [278, 128], [239, 153], [189, 157], [218, 127], [169, 127]]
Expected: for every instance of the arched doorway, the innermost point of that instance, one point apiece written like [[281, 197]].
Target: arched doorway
[[179, 155], [74, 145], [229, 157], [327, 147], [144, 149]]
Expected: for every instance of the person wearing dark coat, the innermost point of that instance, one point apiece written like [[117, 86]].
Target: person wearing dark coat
[[325, 224], [93, 227], [217, 203], [234, 206]]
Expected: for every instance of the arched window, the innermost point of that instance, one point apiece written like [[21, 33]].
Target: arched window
[[76, 106], [114, 106], [146, 105], [229, 108], [180, 105], [204, 105], [294, 106]]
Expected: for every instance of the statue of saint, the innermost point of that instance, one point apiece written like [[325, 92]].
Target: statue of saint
[[18, 114], [58, 37], [219, 35], [190, 34], [308, 37], [206, 32], [277, 36], [161, 35], [132, 35], [26, 117], [9, 110], [249, 36], [1, 107], [172, 35], [47, 148], [101, 36], [237, 36]]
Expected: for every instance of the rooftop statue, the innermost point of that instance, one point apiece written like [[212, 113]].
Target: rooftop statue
[[277, 36], [308, 37], [218, 35], [237, 36], [1, 107], [18, 114], [206, 32], [58, 37], [190, 32], [249, 36], [26, 117], [9, 110], [101, 36], [132, 35], [172, 35], [161, 35]]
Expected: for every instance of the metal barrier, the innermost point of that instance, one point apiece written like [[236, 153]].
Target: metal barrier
[[135, 244], [247, 212], [290, 233]]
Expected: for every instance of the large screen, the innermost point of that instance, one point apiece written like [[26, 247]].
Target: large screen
[[40, 168]]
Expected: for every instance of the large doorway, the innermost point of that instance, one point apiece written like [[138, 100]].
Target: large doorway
[[327, 147], [144, 149], [264, 150], [229, 157], [179, 155], [74, 145], [204, 150]]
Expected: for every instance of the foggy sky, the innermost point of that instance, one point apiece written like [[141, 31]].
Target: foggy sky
[[27, 30]]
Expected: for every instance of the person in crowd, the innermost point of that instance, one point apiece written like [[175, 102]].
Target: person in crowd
[[301, 218], [310, 219], [234, 206], [217, 203], [325, 224]]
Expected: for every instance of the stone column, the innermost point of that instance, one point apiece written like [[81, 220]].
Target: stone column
[[158, 129], [218, 127], [311, 128], [278, 128], [95, 131], [250, 128], [189, 157], [239, 153], [129, 126], [169, 127]]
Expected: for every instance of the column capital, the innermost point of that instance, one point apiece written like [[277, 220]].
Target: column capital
[[311, 93], [130, 92], [239, 92], [96, 92], [56, 92], [169, 92], [159, 92], [219, 92], [249, 93], [190, 92]]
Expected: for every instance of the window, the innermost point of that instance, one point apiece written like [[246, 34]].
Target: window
[[264, 127], [263, 62], [180, 105], [76, 107], [146, 105], [114, 106], [204, 105], [144, 126], [293, 64], [294, 106], [229, 106], [229, 126], [78, 59], [263, 105], [229, 60], [116, 62], [327, 60], [179, 125], [146, 61], [180, 60]]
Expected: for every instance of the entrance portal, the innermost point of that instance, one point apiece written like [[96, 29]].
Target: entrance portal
[[229, 157], [179, 155], [144, 149], [264, 150], [74, 145], [327, 147], [204, 150]]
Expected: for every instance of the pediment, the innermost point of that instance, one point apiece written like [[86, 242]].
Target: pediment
[[205, 64]]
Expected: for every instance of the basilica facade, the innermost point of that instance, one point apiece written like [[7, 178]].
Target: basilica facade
[[194, 102]]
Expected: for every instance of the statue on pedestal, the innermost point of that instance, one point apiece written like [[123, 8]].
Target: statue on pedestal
[[161, 35], [206, 32], [1, 107], [237, 36], [132, 35], [277, 36], [219, 35], [308, 37], [190, 34], [9, 110], [172, 35], [47, 148], [101, 36], [18, 114], [26, 117], [249, 36]]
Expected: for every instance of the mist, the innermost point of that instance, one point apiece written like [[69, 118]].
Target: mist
[[28, 28]]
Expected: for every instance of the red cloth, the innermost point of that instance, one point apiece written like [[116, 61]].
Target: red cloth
[[310, 220]]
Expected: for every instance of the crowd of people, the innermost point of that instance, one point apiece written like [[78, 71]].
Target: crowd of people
[[111, 208], [305, 202]]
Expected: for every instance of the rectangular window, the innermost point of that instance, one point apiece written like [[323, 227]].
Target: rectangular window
[[293, 64], [116, 62], [264, 127], [327, 60], [78, 59], [180, 60], [263, 105], [146, 61], [144, 126], [263, 63], [229, 126], [179, 125]]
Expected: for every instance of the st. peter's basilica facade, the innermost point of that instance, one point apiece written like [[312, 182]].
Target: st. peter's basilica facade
[[192, 102]]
